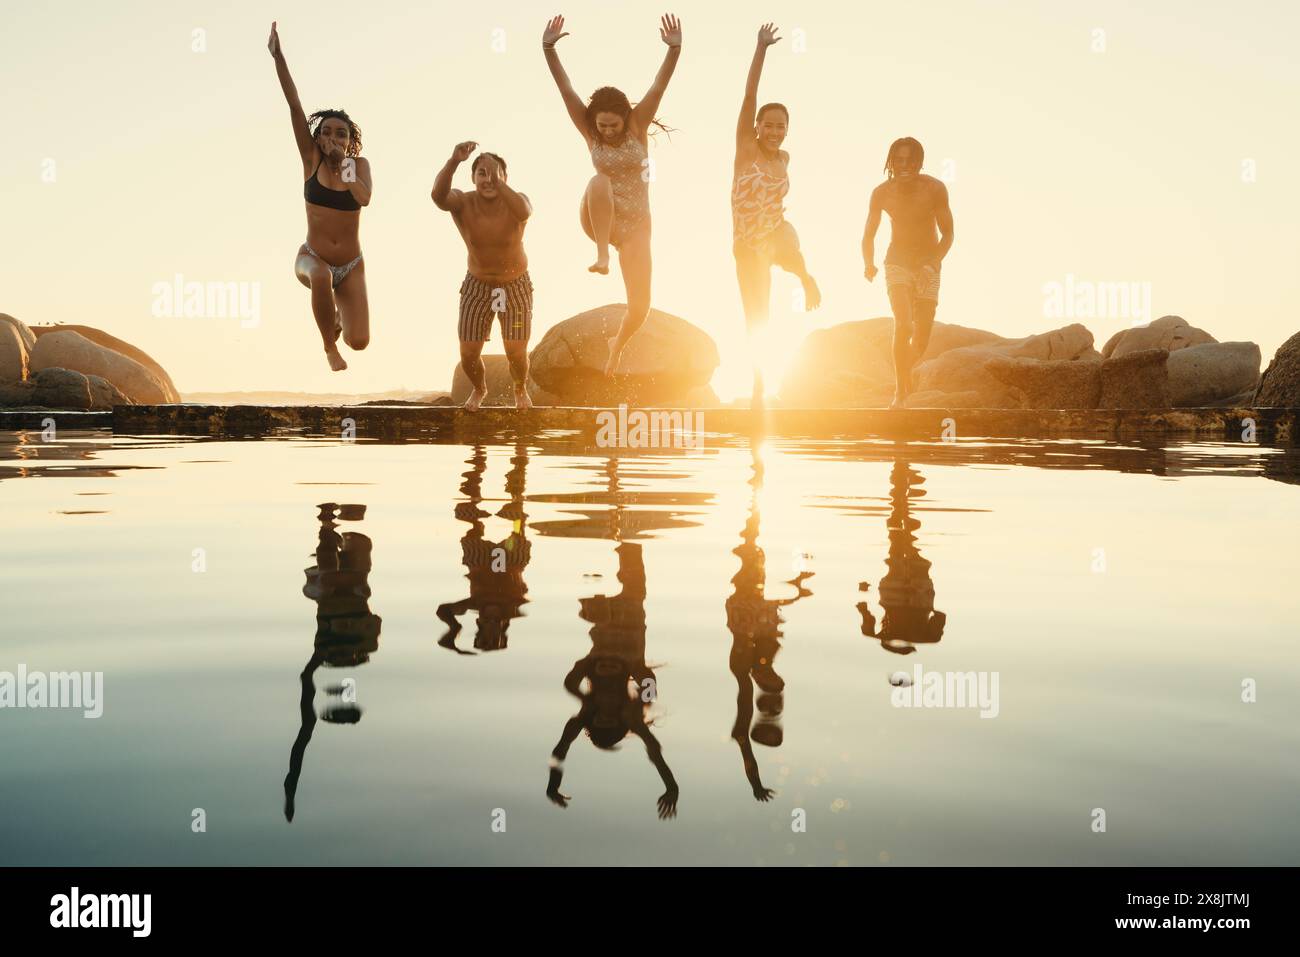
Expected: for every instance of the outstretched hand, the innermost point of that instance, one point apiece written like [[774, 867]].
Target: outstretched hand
[[670, 30], [554, 30], [273, 43], [767, 34], [463, 151]]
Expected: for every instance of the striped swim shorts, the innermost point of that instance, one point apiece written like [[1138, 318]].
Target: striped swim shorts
[[921, 281], [480, 301]]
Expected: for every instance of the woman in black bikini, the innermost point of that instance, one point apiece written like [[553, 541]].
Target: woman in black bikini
[[337, 185], [615, 209]]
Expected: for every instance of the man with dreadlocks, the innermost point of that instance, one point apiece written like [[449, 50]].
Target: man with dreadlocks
[[916, 204]]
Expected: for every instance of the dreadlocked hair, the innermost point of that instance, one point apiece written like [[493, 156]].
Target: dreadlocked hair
[[894, 147]]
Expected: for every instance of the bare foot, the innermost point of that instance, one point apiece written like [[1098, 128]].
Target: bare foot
[[601, 265], [611, 365], [474, 401], [899, 402], [812, 295], [522, 401], [337, 362]]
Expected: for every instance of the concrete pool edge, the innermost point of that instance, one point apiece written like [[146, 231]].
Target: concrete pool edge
[[1270, 425]]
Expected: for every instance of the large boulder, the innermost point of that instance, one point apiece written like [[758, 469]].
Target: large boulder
[[13, 355], [24, 333], [500, 386], [1136, 380], [104, 395], [61, 389], [19, 392], [962, 371], [938, 399], [1279, 387], [1170, 333], [1213, 373], [969, 369], [1047, 384], [664, 361], [701, 397], [121, 347], [1069, 342], [851, 365], [65, 349]]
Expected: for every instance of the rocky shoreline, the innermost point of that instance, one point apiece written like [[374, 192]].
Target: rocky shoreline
[[1166, 364]]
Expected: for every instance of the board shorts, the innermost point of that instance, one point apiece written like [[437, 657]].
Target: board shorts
[[480, 301], [921, 281]]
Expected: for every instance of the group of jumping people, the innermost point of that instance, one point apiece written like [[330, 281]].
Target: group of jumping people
[[614, 211]]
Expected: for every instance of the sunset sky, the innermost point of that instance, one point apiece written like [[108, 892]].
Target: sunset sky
[[1092, 140]]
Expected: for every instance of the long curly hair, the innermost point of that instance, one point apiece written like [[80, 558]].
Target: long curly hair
[[354, 132], [609, 99]]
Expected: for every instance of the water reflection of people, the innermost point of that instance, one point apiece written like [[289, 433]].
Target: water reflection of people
[[347, 632], [497, 592], [906, 592], [613, 683], [755, 624]]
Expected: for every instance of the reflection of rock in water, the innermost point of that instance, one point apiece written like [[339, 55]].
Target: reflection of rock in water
[[347, 632], [754, 621], [497, 591], [906, 591], [1283, 466]]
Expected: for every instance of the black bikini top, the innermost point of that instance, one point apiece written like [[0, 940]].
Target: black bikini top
[[319, 194]]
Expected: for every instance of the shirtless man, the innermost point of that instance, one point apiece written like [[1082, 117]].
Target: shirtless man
[[916, 204], [491, 220]]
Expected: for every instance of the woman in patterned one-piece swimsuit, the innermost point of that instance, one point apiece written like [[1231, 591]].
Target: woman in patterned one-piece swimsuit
[[760, 179], [616, 205]]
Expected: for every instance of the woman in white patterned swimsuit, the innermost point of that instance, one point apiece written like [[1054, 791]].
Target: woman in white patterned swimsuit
[[616, 205], [762, 237]]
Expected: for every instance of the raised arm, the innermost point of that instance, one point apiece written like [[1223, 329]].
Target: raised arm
[[443, 196], [572, 102], [302, 135], [571, 729], [943, 216], [749, 105], [670, 31], [869, 234], [668, 800]]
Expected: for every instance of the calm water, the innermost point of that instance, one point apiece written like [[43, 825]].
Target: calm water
[[390, 643]]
